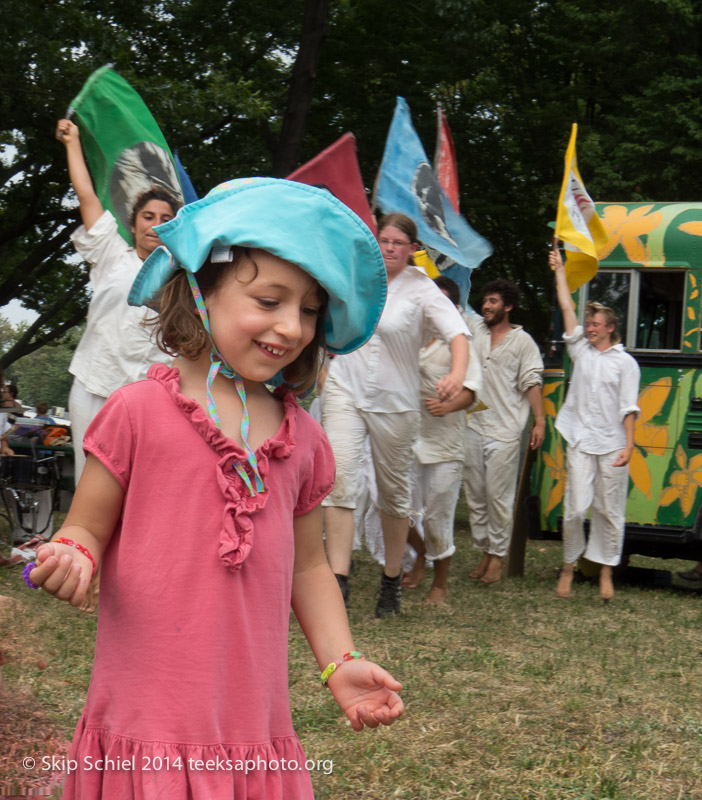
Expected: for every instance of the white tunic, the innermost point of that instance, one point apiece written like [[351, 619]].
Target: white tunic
[[603, 389], [441, 438], [509, 371], [383, 375], [116, 348]]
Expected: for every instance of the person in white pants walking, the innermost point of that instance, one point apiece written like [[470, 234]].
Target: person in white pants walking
[[597, 422], [512, 370]]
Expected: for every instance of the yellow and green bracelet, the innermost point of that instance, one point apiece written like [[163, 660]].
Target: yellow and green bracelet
[[331, 669]]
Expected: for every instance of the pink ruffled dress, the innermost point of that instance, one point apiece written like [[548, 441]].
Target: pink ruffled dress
[[190, 685]]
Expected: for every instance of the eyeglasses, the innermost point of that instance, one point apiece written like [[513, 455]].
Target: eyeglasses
[[393, 242]]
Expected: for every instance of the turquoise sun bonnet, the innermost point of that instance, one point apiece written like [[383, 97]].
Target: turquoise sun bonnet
[[301, 224]]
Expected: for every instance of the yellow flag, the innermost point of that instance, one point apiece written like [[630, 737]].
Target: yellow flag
[[421, 259], [577, 223]]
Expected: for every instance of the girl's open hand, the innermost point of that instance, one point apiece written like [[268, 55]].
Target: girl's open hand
[[367, 694], [62, 571]]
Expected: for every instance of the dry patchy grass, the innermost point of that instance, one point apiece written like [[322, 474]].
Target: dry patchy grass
[[511, 693]]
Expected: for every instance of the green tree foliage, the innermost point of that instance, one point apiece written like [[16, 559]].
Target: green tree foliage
[[513, 76], [35, 223], [231, 84], [43, 374], [8, 334], [227, 82]]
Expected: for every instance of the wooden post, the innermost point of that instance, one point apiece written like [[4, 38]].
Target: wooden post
[[520, 528]]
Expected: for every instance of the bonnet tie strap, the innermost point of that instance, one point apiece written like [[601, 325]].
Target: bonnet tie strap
[[219, 365]]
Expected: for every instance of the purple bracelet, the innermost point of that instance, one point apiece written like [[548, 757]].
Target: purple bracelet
[[25, 574]]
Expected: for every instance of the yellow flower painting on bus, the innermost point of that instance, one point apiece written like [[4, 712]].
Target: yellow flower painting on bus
[[684, 482], [649, 439], [628, 229]]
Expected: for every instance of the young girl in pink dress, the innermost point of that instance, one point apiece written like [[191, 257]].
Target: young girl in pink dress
[[200, 500]]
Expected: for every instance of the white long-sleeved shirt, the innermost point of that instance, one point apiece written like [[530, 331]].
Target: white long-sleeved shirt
[[442, 438], [604, 388], [116, 349], [509, 371], [383, 375]]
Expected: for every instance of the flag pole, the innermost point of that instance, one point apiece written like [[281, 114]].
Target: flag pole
[[373, 205], [437, 148]]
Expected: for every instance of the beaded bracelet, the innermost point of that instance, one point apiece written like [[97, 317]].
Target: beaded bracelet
[[80, 549], [25, 574], [331, 669]]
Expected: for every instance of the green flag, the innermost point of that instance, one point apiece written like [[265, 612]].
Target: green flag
[[124, 148]]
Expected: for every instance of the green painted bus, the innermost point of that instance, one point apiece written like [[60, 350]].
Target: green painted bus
[[651, 274]]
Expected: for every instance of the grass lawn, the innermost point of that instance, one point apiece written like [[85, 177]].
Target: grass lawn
[[510, 693]]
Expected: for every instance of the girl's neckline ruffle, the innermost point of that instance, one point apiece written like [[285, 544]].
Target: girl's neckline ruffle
[[237, 532]]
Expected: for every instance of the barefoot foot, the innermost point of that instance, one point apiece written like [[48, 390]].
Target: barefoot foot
[[606, 585], [565, 581], [412, 579], [90, 604], [481, 569], [493, 573], [437, 595]]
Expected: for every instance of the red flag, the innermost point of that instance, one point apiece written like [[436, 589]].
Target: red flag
[[445, 159], [336, 169]]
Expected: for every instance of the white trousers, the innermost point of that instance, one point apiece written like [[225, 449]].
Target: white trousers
[[434, 497], [82, 406], [594, 485], [490, 473], [391, 438], [366, 518]]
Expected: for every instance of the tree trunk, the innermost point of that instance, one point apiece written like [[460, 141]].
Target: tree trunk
[[304, 74]]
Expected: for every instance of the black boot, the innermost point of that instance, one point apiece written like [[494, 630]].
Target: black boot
[[389, 596], [343, 582]]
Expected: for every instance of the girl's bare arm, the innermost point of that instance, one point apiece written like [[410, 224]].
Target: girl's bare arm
[[62, 569]]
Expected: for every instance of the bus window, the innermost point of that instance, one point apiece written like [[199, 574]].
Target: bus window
[[649, 304], [613, 289], [661, 296]]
